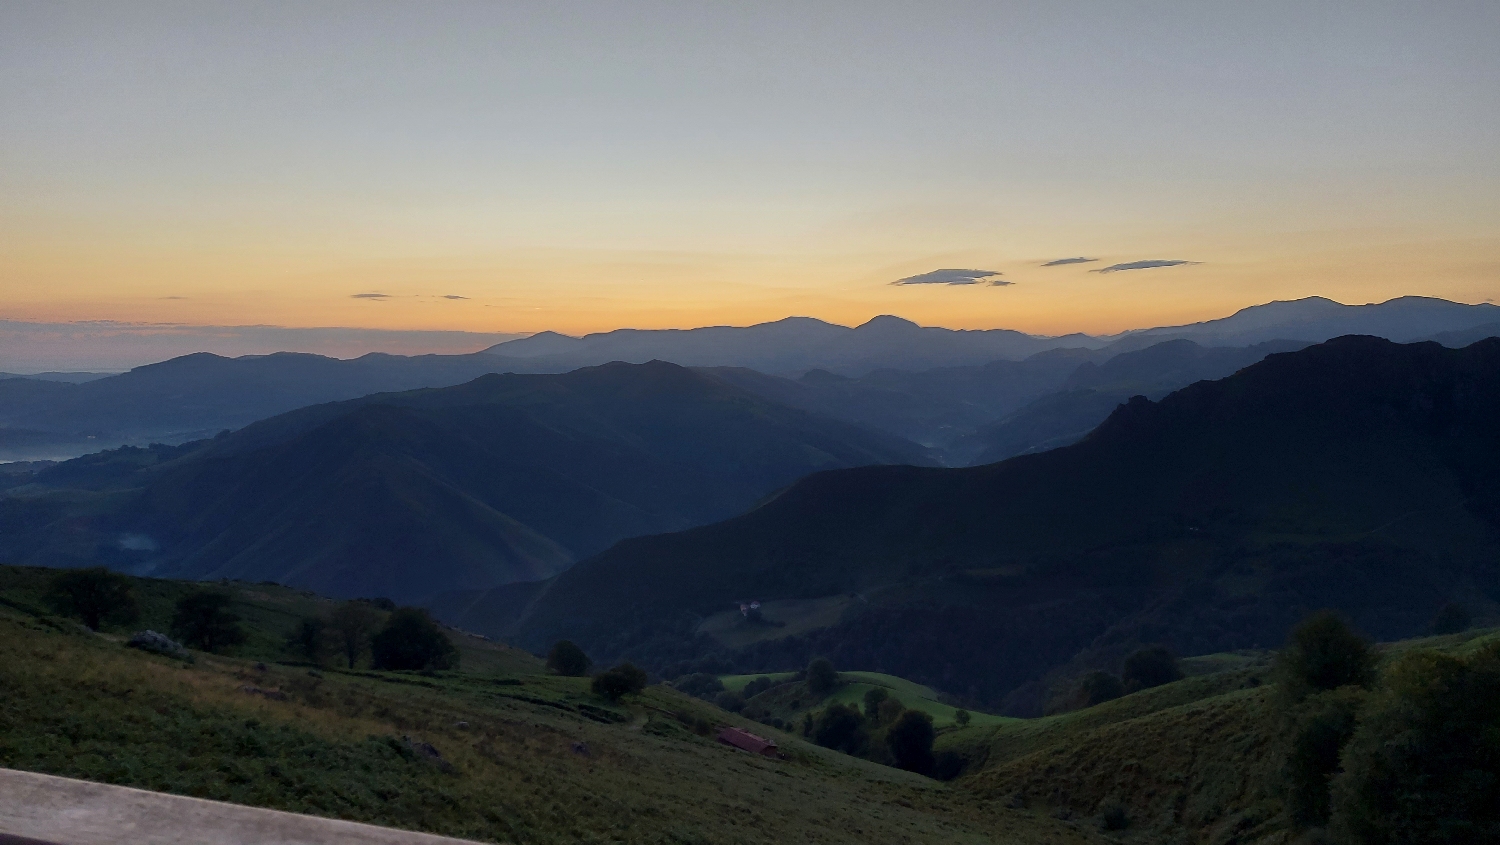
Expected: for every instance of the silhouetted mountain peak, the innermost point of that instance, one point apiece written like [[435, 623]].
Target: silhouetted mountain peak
[[887, 323]]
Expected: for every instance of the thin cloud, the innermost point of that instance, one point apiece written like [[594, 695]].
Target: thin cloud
[[1061, 261], [453, 296], [374, 296], [172, 297], [1144, 265], [954, 277]]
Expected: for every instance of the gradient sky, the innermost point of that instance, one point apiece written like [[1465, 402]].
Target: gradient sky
[[586, 166]]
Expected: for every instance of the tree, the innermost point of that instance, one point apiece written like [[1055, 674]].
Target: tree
[[351, 625], [1322, 654], [841, 728], [411, 640], [889, 711], [700, 685], [1423, 765], [1149, 667], [310, 638], [568, 659], [1099, 687], [910, 741], [1454, 618], [729, 700], [202, 620], [94, 595], [1316, 732], [756, 687], [962, 718], [620, 680], [821, 677], [873, 697]]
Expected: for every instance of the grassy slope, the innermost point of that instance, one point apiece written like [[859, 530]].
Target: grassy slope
[[1189, 761], [856, 684], [78, 704]]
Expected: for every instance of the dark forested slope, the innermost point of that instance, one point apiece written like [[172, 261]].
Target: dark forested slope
[[1357, 474]]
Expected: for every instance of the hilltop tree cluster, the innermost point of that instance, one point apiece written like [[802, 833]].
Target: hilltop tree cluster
[[1408, 755], [394, 638]]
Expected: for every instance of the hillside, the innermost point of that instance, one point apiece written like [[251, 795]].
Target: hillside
[[506, 478], [516, 755], [1357, 474], [1093, 390]]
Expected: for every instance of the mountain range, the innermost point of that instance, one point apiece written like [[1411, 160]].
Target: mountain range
[[932, 385], [1357, 474], [504, 478]]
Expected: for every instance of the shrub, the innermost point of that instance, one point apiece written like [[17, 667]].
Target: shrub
[[821, 677], [1316, 732], [948, 765], [873, 697], [731, 701], [351, 625], [202, 620], [962, 717], [757, 686], [618, 681], [1114, 817], [1149, 667], [910, 741], [841, 728], [1099, 687], [1424, 763], [94, 595], [568, 659], [1321, 654], [1453, 618], [411, 640]]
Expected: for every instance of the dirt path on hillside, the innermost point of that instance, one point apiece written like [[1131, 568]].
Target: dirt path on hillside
[[77, 812]]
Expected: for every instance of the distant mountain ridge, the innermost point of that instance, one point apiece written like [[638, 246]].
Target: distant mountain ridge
[[929, 384], [1357, 474], [795, 345]]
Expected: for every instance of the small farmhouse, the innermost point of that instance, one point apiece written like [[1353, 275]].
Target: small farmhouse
[[748, 741]]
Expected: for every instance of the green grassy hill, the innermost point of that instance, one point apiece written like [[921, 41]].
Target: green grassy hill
[[525, 757]]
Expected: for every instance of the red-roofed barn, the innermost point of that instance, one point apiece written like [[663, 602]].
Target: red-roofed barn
[[748, 741]]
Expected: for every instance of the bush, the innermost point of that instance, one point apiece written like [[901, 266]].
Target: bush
[[821, 677], [568, 659], [202, 620], [910, 741], [757, 686], [1149, 667], [411, 640], [1114, 817], [1453, 618], [1099, 687], [841, 728], [94, 595], [350, 627], [1316, 732], [948, 765], [731, 701], [1321, 654], [619, 681], [873, 697], [1424, 763]]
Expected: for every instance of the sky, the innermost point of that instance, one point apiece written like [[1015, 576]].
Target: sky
[[583, 166]]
